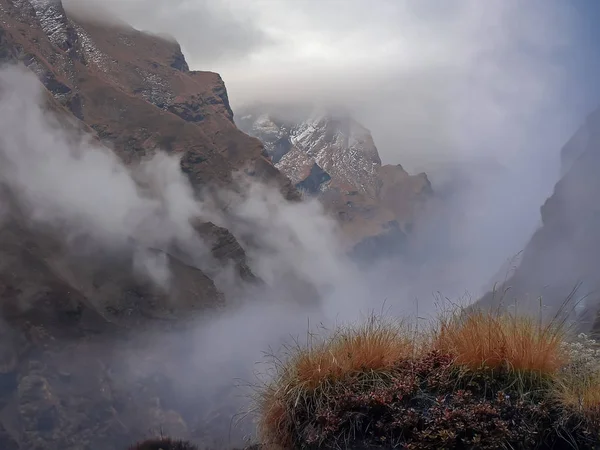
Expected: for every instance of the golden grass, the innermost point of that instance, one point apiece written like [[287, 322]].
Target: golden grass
[[483, 339], [273, 427], [583, 395], [372, 351], [374, 347]]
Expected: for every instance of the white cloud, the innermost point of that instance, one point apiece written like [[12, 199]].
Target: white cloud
[[437, 82]]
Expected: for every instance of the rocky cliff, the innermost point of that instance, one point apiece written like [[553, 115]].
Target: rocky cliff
[[564, 253], [134, 89], [64, 381], [330, 155]]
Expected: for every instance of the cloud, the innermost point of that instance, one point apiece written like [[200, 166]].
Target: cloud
[[209, 30], [441, 84], [81, 190], [433, 80]]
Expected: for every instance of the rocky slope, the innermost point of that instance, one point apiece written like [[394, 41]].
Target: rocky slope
[[330, 155], [564, 254], [135, 92], [134, 89], [65, 380]]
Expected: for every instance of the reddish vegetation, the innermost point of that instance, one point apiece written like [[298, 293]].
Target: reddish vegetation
[[502, 389], [484, 340]]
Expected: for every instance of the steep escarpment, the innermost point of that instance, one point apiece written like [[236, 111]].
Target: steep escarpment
[[135, 92], [72, 303], [332, 156], [134, 89], [564, 253]]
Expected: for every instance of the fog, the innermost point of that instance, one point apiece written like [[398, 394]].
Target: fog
[[477, 94], [480, 95], [81, 194]]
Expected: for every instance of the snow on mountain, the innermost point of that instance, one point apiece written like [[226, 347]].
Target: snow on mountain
[[331, 155], [339, 145]]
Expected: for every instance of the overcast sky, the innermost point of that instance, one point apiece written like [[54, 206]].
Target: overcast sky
[[433, 79], [467, 82]]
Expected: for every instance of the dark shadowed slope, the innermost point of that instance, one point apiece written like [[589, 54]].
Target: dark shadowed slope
[[565, 252]]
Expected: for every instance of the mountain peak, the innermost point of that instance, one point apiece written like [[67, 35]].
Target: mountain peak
[[333, 141], [325, 152]]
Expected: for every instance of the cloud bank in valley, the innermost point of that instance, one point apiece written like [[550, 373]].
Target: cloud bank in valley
[[480, 95], [81, 192]]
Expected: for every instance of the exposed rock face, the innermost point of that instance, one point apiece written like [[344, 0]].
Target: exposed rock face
[[225, 248], [64, 316], [334, 157], [135, 90], [565, 252], [340, 146]]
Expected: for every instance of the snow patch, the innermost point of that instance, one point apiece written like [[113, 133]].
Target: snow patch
[[339, 145], [156, 89], [90, 52], [53, 20]]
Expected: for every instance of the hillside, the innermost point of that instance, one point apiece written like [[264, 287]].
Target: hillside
[[124, 83], [328, 154], [74, 271], [563, 254]]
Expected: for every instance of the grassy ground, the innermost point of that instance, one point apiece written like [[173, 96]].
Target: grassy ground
[[473, 380]]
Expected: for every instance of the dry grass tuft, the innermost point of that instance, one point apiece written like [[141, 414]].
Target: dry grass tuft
[[313, 383], [373, 348], [376, 346], [582, 396], [484, 339]]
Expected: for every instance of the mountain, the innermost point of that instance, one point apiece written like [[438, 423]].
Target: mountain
[[562, 259], [116, 79], [328, 154], [69, 300], [136, 94]]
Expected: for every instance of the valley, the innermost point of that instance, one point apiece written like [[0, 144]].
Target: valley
[[159, 241]]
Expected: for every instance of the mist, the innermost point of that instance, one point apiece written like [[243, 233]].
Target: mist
[[480, 96], [475, 94], [79, 192]]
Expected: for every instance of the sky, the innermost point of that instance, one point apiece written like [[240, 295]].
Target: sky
[[489, 90], [433, 79]]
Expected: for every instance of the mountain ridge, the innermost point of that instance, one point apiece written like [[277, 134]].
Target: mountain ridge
[[72, 306], [559, 263], [328, 154]]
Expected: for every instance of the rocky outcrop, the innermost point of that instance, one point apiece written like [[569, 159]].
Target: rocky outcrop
[[331, 156], [339, 145], [226, 249], [315, 181]]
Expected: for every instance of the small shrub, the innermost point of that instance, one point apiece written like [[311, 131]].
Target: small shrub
[[370, 350]]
